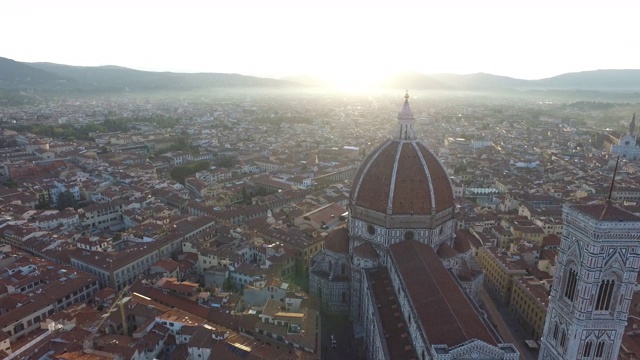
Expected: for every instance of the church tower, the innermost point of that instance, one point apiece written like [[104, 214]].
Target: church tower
[[598, 264], [628, 146]]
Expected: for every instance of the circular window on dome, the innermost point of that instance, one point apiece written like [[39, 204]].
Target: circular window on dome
[[409, 235], [371, 230]]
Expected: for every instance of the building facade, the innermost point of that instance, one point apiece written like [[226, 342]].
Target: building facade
[[330, 273], [628, 146], [598, 264]]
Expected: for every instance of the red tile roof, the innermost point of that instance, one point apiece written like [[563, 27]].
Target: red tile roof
[[394, 326], [551, 240], [337, 241], [446, 315], [446, 252], [606, 212], [365, 251]]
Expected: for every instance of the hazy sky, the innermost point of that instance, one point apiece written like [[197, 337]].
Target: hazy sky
[[356, 41]]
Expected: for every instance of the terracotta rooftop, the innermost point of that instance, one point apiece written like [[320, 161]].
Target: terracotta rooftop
[[512, 263], [365, 251], [446, 252], [606, 212], [396, 334], [326, 214], [550, 240], [337, 241], [446, 315], [463, 240], [535, 289]]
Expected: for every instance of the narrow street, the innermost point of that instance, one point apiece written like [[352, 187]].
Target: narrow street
[[507, 332]]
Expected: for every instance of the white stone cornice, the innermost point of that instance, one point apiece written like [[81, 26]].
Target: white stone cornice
[[393, 179], [428, 173]]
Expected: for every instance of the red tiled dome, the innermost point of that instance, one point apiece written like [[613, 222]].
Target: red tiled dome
[[402, 177], [365, 251]]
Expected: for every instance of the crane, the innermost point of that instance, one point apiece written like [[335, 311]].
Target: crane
[[88, 343]]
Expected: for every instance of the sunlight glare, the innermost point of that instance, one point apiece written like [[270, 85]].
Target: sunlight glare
[[350, 80]]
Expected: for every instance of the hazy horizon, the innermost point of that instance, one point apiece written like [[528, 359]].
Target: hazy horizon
[[352, 44]]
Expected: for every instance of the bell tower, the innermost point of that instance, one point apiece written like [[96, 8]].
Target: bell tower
[[598, 262]]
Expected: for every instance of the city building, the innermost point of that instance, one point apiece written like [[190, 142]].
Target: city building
[[529, 302], [121, 268], [598, 265], [500, 268], [628, 147], [35, 289]]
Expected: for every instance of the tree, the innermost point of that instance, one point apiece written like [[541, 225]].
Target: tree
[[42, 203], [179, 173], [459, 168], [225, 161], [245, 196], [227, 285], [66, 199]]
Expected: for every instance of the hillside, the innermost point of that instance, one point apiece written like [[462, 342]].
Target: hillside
[[478, 81], [15, 75], [48, 77], [54, 77], [124, 79], [602, 80], [597, 79]]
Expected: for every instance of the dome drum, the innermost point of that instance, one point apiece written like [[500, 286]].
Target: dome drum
[[401, 221], [385, 236]]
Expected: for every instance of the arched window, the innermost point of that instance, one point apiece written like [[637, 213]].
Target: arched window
[[343, 268], [555, 331], [344, 297], [587, 349], [600, 350], [605, 293], [571, 284], [563, 340]]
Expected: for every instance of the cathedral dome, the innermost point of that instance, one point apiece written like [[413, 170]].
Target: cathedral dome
[[402, 182]]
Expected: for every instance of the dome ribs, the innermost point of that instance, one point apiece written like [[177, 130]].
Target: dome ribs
[[440, 181], [411, 192], [402, 178], [374, 182]]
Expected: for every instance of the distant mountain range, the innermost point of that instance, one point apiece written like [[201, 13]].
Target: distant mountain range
[[54, 77], [606, 80]]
